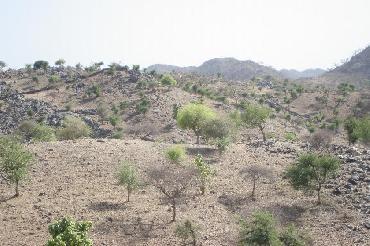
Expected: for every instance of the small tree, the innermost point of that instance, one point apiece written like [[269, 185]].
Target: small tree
[[176, 153], [14, 161], [255, 116], [261, 230], [127, 176], [193, 116], [187, 230], [172, 182], [204, 172], [256, 172], [168, 80], [68, 232], [311, 171], [60, 62]]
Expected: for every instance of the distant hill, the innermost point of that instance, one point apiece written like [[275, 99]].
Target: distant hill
[[229, 68], [358, 65], [308, 73]]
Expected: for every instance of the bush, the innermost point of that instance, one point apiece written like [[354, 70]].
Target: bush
[[168, 80], [36, 131], [68, 232], [193, 116], [260, 231], [127, 176], [73, 128], [290, 136], [176, 153], [14, 161], [143, 106]]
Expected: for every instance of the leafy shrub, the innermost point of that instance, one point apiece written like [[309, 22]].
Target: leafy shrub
[[260, 231], [14, 161], [68, 232], [36, 131], [176, 153], [187, 230], [204, 172], [168, 80], [73, 128]]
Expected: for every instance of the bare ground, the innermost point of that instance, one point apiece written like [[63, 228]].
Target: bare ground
[[77, 178]]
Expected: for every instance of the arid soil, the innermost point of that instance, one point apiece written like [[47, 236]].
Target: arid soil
[[77, 179]]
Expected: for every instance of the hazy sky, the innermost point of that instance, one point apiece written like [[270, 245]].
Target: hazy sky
[[282, 33]]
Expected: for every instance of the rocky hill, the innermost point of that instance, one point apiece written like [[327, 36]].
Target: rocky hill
[[228, 68]]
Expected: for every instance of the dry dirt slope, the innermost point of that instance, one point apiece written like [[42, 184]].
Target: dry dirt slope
[[77, 179]]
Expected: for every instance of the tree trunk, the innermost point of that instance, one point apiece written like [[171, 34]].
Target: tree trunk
[[128, 194], [263, 133], [173, 210], [16, 188], [254, 190]]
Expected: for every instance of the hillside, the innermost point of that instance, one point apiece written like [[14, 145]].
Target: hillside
[[132, 116]]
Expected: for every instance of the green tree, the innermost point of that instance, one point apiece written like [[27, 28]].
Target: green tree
[[40, 65], [68, 232], [193, 116], [14, 161], [311, 171], [261, 230], [127, 176], [187, 230], [168, 80], [255, 116]]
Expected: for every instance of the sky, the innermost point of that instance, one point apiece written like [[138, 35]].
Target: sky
[[295, 34]]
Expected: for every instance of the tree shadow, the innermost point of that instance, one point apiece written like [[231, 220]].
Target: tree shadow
[[286, 214], [135, 230], [234, 202], [107, 206], [204, 151]]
